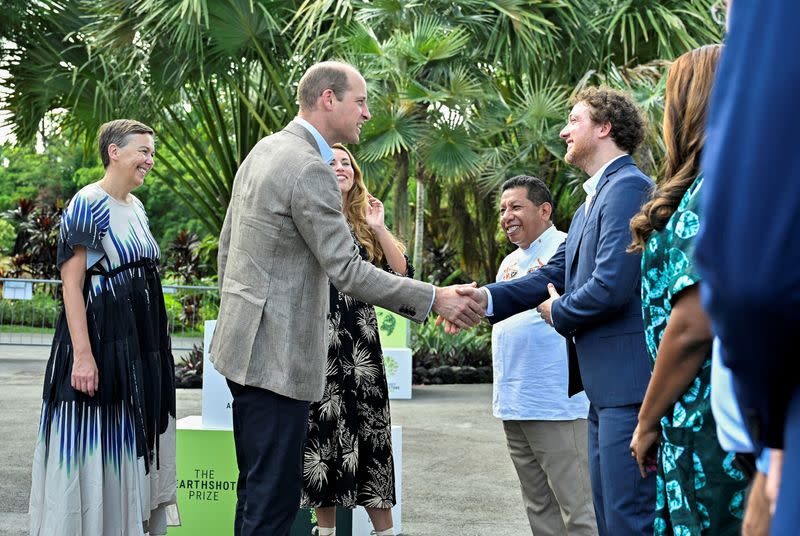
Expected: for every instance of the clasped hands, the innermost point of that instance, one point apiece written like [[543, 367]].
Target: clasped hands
[[463, 306], [460, 306]]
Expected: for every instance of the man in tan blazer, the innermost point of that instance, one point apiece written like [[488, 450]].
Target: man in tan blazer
[[283, 239]]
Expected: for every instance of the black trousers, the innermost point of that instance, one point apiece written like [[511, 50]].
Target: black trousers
[[269, 431]]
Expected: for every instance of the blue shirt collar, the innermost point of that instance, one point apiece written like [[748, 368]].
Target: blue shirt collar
[[324, 149]]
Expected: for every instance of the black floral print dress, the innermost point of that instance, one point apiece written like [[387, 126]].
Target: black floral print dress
[[347, 460]]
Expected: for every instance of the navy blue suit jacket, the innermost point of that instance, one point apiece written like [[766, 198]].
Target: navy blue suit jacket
[[748, 250], [600, 310]]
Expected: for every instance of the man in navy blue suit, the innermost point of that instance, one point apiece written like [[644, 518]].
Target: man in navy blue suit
[[599, 311], [749, 246]]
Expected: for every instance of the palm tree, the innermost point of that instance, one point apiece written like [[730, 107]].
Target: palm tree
[[638, 31], [212, 77], [465, 92], [433, 67]]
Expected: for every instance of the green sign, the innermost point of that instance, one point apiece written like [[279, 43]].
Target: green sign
[[207, 475], [393, 329]]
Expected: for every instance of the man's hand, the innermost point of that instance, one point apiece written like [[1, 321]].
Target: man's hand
[[460, 306], [544, 307], [774, 477], [756, 514]]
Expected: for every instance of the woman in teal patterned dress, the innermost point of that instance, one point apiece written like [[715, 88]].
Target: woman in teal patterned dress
[[699, 490]]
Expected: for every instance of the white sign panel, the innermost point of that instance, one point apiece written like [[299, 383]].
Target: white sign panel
[[17, 290], [217, 398], [397, 362]]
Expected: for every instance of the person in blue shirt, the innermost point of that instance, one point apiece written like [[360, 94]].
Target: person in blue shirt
[[748, 249]]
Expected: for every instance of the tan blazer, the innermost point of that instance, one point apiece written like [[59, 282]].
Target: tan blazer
[[283, 238]]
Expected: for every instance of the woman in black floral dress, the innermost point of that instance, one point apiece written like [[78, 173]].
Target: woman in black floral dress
[[348, 453]]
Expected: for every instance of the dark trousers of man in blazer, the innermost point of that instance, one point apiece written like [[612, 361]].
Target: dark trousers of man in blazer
[[261, 417]]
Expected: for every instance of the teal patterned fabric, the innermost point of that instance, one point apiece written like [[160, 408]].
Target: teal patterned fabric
[[698, 489]]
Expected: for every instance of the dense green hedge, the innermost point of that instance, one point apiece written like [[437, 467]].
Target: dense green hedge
[[41, 311], [432, 347], [184, 314]]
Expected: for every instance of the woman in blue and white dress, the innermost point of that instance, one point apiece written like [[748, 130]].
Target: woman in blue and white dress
[[105, 457]]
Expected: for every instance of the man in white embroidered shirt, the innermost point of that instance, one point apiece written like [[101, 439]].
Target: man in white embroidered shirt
[[545, 430]]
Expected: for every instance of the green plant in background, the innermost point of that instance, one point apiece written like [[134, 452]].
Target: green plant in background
[[433, 348], [41, 311], [182, 260], [36, 242], [207, 250], [189, 369], [174, 309], [7, 237]]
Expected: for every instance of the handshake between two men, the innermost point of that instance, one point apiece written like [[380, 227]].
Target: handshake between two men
[[463, 306]]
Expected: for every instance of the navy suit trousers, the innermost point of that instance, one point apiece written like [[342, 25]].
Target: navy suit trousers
[[787, 513], [269, 431], [624, 502]]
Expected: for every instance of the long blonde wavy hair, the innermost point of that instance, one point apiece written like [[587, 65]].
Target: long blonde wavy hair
[[689, 82], [355, 212]]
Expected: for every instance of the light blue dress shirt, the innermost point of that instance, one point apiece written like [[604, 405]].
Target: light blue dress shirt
[[324, 149], [731, 431]]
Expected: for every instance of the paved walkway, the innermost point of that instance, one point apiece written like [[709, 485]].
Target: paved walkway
[[457, 476]]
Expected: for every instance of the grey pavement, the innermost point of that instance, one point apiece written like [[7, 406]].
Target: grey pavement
[[457, 475]]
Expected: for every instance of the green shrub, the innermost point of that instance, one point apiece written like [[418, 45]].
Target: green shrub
[[41, 311], [174, 310], [432, 347], [187, 310], [189, 370], [8, 235]]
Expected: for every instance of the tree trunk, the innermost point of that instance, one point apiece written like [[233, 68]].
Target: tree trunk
[[419, 220], [400, 196]]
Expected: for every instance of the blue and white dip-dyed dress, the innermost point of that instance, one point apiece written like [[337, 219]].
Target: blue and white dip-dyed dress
[[105, 465]]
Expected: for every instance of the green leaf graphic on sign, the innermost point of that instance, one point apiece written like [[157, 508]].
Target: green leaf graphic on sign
[[391, 365], [393, 329], [388, 323]]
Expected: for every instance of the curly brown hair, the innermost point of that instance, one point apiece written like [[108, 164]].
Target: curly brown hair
[[608, 105], [355, 211], [689, 82]]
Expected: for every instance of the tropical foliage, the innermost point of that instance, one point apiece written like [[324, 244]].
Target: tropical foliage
[[465, 93]]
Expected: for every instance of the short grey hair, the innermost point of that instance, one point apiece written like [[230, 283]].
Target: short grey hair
[[321, 76], [117, 132]]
